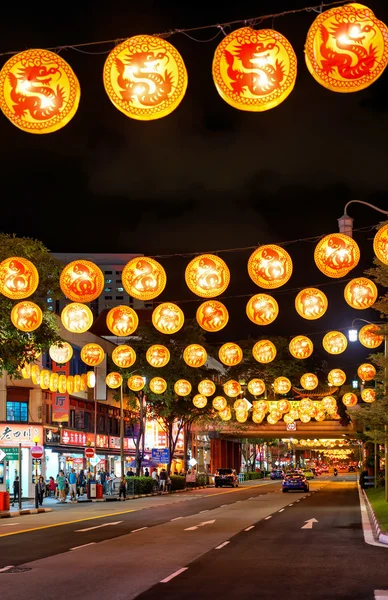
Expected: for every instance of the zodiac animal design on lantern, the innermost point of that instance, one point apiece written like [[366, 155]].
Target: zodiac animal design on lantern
[[82, 281], [270, 266], [311, 303], [207, 275], [361, 293], [262, 309], [168, 318], [212, 315], [144, 278], [336, 254], [122, 320], [380, 244]]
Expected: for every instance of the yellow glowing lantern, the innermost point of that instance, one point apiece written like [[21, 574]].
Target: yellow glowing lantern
[[70, 384], [158, 385], [262, 309], [207, 276], [206, 387], [77, 317], [270, 266], [157, 355], [199, 401], [91, 379], [84, 382], [288, 419], [336, 377], [195, 355], [305, 418], [82, 281], [361, 293], [136, 383], [335, 342], [349, 399], [264, 351], [320, 416], [276, 413], [256, 387], [366, 372], [260, 405], [368, 395], [61, 352], [309, 381], [225, 414], [311, 303], [77, 383], [305, 405], [240, 405], [19, 278], [380, 244], [144, 278], [26, 316], [62, 386], [145, 77], [230, 354], [369, 337], [257, 416], [168, 318], [254, 70], [282, 385], [272, 419], [284, 406], [242, 416], [336, 255], [329, 404], [113, 380], [219, 403], [212, 315], [301, 347], [346, 48], [92, 354], [124, 356], [44, 379], [122, 320], [294, 413], [182, 387], [54, 382], [232, 388], [26, 371], [39, 92]]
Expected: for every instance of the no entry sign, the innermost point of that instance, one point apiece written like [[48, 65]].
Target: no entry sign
[[89, 452], [37, 452]]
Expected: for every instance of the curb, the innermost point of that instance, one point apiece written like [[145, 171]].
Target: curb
[[381, 537], [117, 499], [7, 514]]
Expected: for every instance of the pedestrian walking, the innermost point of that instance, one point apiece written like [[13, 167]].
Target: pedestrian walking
[[146, 472], [16, 490], [163, 480], [52, 487], [123, 488], [130, 473], [81, 482], [73, 485], [41, 489], [61, 482]]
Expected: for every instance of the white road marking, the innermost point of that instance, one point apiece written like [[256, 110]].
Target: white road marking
[[251, 498], [200, 525], [309, 524], [83, 546], [249, 528], [290, 505], [98, 526], [140, 529], [9, 524], [281, 510], [178, 572], [298, 500], [266, 518], [6, 568], [222, 545], [202, 511], [222, 505], [191, 528], [176, 518]]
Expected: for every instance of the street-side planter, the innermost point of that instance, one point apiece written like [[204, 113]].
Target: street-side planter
[[382, 511]]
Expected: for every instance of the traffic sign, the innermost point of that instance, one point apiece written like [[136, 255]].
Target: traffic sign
[[94, 460], [2, 454], [161, 455], [89, 452], [9, 453], [37, 451]]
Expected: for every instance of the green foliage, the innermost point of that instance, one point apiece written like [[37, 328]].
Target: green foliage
[[379, 505], [202, 479], [252, 475], [177, 482], [140, 485]]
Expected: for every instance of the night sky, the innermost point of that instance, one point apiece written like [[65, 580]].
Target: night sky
[[205, 178]]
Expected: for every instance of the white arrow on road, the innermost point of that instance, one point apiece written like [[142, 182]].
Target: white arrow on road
[[309, 524], [200, 525], [98, 526]]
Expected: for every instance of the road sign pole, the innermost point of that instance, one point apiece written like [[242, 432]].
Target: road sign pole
[[121, 431], [20, 477]]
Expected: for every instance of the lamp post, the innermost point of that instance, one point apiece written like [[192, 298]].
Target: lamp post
[[345, 223], [35, 439]]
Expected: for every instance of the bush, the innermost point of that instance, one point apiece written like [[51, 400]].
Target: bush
[[202, 479], [252, 475], [177, 482], [140, 485]]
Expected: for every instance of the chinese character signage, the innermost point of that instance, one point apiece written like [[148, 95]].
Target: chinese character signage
[[13, 435], [83, 438], [61, 402]]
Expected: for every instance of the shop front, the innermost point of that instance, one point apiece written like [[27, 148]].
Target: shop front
[[16, 442]]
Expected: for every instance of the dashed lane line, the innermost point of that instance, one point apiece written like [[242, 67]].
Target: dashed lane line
[[266, 518], [175, 574], [249, 528], [140, 529], [222, 545], [83, 546]]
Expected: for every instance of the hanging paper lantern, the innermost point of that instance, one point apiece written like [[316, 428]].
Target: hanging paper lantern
[[346, 48], [254, 70], [272, 419], [91, 379], [195, 355], [368, 395], [219, 403], [113, 380], [212, 315], [311, 303], [366, 372], [305, 405], [39, 92], [44, 379], [260, 405], [270, 266], [301, 347], [182, 387], [329, 404], [380, 244], [62, 385], [368, 336], [336, 255], [61, 352], [158, 385], [242, 416], [349, 399], [206, 387], [19, 278], [256, 387], [82, 281], [168, 318], [262, 309], [157, 355], [294, 413], [144, 278], [232, 388], [288, 419], [145, 77], [284, 406], [77, 383], [225, 414], [124, 356], [230, 354], [122, 320], [309, 381], [26, 316], [26, 371], [264, 351], [54, 382], [207, 276], [240, 405], [282, 385], [305, 418], [257, 417], [77, 317], [92, 354], [320, 416], [336, 377], [199, 401], [361, 293], [335, 342], [84, 382], [70, 384], [136, 383]]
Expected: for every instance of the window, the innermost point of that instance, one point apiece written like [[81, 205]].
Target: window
[[108, 289], [17, 411], [119, 289], [49, 300], [72, 417], [119, 297], [108, 272], [87, 421], [108, 280], [118, 272], [108, 297]]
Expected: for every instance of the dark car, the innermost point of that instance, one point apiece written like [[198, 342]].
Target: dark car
[[277, 474], [295, 482], [226, 477], [351, 469]]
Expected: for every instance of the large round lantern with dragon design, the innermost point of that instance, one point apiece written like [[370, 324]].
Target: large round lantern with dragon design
[[82, 281], [19, 278], [207, 276], [380, 244], [336, 255], [270, 266], [144, 278]]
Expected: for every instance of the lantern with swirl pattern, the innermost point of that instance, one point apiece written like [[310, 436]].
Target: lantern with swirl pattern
[[144, 278], [335, 342], [26, 316], [311, 303], [212, 315], [361, 293], [195, 355], [380, 244], [230, 354], [82, 281], [207, 276], [168, 318], [336, 255], [262, 309], [19, 278], [77, 317], [270, 266]]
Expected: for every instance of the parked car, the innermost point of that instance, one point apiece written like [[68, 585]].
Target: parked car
[[351, 469], [295, 482], [308, 473], [226, 477], [277, 474]]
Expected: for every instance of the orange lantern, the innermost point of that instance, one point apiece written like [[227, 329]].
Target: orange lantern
[[84, 382], [360, 293], [320, 416], [242, 416], [294, 413], [309, 381], [336, 377], [311, 303], [219, 403], [19, 278], [182, 387], [62, 387], [195, 355], [122, 320], [368, 395], [207, 276], [288, 419], [329, 403], [232, 388], [349, 399], [77, 383], [256, 387], [254, 70], [91, 379], [212, 315], [92, 354], [262, 309], [26, 371], [144, 278], [113, 380], [240, 405], [335, 342], [44, 379], [366, 372], [157, 355], [301, 347], [54, 382], [305, 418], [199, 401], [26, 316], [346, 48], [39, 92], [230, 354], [257, 416], [261, 405], [61, 352], [264, 351], [206, 387], [77, 317], [70, 384], [225, 414], [336, 255], [282, 385], [380, 244], [272, 418], [136, 383], [124, 356], [270, 266], [158, 385], [168, 318], [368, 336], [145, 77], [284, 406], [82, 281]]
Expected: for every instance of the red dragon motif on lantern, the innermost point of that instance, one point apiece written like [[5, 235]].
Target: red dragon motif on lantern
[[207, 276], [144, 278], [336, 254], [82, 280], [18, 278], [270, 266]]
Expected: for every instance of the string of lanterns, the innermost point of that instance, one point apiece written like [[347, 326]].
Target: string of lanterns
[[145, 77]]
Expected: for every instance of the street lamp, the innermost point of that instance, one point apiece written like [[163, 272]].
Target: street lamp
[[345, 223], [36, 440]]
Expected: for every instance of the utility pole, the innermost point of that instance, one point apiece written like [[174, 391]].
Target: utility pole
[[121, 431]]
